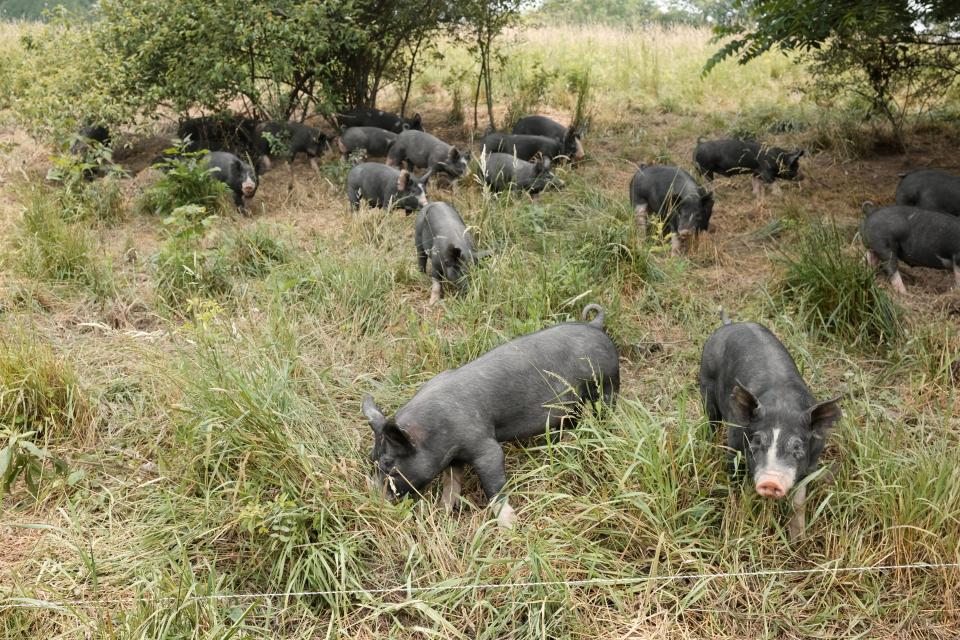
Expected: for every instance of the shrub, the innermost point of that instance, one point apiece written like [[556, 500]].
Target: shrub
[[186, 181], [255, 252], [835, 293]]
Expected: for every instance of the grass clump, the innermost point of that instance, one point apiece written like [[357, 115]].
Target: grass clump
[[186, 180], [47, 247], [256, 252], [186, 268], [41, 401], [836, 294]]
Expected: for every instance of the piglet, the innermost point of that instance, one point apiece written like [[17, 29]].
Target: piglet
[[749, 381], [419, 149], [919, 237], [737, 157], [672, 194], [932, 189], [442, 237], [381, 186], [236, 174], [517, 390], [502, 171], [568, 137], [374, 141]]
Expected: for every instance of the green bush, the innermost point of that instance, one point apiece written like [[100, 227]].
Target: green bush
[[186, 181], [255, 252]]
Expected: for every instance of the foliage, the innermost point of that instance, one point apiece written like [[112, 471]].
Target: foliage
[[34, 10], [836, 294], [635, 12], [185, 180], [188, 270], [899, 57]]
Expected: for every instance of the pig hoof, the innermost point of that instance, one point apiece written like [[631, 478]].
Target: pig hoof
[[507, 517], [434, 294]]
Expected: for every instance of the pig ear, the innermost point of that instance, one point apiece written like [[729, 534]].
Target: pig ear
[[397, 436], [453, 253], [745, 404], [373, 413], [402, 180], [823, 415], [454, 154]]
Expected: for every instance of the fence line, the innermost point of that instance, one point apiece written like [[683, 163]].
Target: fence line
[[32, 603]]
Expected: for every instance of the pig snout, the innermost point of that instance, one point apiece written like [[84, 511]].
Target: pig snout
[[774, 486], [422, 199], [249, 186], [579, 154]]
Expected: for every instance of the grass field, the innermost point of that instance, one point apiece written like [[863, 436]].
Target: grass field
[[202, 385]]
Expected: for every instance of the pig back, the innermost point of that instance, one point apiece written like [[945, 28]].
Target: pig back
[[528, 384]]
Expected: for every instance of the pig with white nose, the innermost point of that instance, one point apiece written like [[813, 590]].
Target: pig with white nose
[[517, 390], [749, 381]]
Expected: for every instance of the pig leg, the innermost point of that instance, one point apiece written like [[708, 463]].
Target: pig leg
[[489, 466], [676, 246], [889, 262], [313, 163], [436, 292], [344, 152], [956, 274], [798, 521], [421, 258], [872, 258], [775, 189], [452, 483], [641, 213]]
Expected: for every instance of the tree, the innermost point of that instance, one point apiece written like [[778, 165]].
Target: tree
[[898, 55], [483, 21]]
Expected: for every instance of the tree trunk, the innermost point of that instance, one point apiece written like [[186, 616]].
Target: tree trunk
[[406, 93], [488, 82]]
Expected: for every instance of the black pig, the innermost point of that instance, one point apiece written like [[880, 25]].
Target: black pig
[[386, 187], [749, 381], [502, 170], [522, 146], [919, 237], [297, 138], [672, 194], [419, 149], [737, 157], [375, 141], [568, 137], [517, 390], [236, 174], [364, 117], [441, 235], [931, 189]]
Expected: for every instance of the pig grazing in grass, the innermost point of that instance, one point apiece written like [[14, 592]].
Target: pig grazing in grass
[[737, 157], [374, 141], [442, 238], [672, 194], [918, 237], [381, 186], [569, 137], [749, 381], [517, 390], [502, 171]]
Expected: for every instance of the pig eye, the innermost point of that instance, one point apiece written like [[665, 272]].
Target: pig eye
[[796, 448]]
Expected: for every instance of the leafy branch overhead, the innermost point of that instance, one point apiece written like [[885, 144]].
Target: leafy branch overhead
[[891, 54]]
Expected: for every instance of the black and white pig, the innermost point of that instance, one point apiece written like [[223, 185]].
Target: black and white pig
[[381, 186], [292, 138], [441, 237], [374, 141], [364, 117], [422, 150], [672, 194], [919, 237], [568, 137], [236, 174], [931, 189], [502, 171], [517, 390], [524, 147], [749, 381], [738, 157]]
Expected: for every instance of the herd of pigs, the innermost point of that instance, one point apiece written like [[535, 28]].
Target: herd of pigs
[[747, 379]]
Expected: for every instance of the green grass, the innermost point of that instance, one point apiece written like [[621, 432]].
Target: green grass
[[219, 450]]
